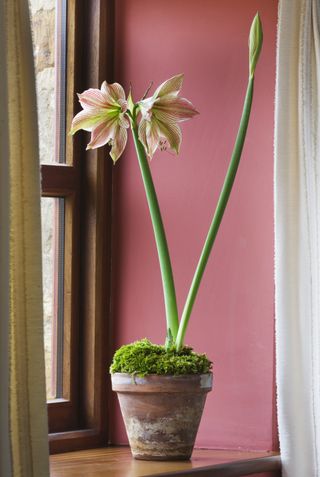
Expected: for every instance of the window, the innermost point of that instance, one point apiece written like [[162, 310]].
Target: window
[[73, 51]]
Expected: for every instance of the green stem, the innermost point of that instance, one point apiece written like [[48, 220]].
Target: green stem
[[222, 203], [161, 241]]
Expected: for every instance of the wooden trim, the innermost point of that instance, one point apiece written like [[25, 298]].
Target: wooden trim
[[73, 66], [60, 73], [74, 440], [54, 336], [58, 180], [61, 415], [70, 304], [64, 414], [96, 253]]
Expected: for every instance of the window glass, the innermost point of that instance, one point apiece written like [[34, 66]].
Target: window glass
[[48, 19], [52, 210], [43, 14]]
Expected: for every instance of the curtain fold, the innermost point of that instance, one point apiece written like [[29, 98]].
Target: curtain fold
[[297, 236], [23, 410]]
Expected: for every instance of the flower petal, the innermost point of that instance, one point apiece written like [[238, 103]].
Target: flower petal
[[171, 86], [118, 143], [146, 106], [123, 121], [142, 133], [92, 98], [113, 91], [87, 119], [102, 134], [123, 103], [149, 136], [174, 108], [172, 133]]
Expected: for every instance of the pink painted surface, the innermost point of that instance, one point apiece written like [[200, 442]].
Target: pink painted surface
[[232, 319]]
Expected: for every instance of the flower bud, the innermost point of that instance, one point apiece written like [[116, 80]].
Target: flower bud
[[255, 43], [130, 101]]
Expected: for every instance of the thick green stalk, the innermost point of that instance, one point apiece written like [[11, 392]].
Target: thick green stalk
[[161, 241], [222, 203]]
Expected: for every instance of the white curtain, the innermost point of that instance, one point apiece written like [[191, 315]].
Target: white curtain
[[297, 236], [23, 413]]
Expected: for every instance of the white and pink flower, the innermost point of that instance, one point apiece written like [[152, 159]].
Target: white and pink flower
[[104, 116], [161, 114]]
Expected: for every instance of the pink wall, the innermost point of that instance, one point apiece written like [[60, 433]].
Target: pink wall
[[233, 317]]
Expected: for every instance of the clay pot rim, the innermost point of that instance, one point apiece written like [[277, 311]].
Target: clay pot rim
[[125, 382], [151, 375]]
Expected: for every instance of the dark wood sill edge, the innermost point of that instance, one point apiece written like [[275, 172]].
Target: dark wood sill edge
[[231, 469]]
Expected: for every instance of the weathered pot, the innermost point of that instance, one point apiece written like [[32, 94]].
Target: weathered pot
[[162, 413]]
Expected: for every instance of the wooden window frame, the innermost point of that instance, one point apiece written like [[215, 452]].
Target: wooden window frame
[[79, 420]]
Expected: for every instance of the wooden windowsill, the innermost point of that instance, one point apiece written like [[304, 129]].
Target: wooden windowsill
[[117, 462]]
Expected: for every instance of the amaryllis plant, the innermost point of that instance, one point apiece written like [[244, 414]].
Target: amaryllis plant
[[154, 123]]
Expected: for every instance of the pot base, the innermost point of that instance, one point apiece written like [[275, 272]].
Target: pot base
[[162, 458]]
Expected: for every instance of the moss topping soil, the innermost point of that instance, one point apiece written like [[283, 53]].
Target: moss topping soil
[[142, 358]]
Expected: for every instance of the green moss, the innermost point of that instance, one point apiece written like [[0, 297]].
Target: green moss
[[142, 358]]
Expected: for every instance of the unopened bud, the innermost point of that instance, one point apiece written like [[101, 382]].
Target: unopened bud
[[255, 43]]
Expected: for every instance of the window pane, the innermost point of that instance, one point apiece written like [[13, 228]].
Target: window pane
[[48, 21], [52, 210]]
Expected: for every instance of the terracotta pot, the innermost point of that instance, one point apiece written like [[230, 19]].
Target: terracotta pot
[[162, 413]]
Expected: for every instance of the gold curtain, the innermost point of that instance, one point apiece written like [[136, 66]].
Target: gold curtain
[[23, 411]]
